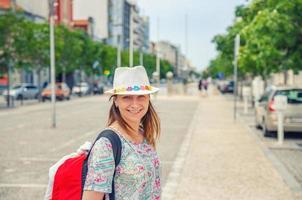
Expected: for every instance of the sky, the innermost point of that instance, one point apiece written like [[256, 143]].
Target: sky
[[205, 19]]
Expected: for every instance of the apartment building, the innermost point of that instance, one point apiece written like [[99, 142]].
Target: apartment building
[[92, 16], [39, 10], [36, 10], [122, 15], [171, 53], [146, 33], [64, 12]]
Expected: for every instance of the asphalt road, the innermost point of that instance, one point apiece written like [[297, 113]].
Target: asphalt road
[[29, 146]]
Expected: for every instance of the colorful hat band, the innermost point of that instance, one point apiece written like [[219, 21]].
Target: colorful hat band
[[133, 88]]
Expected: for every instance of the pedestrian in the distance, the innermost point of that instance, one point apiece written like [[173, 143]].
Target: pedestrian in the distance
[[205, 86], [200, 85], [134, 119]]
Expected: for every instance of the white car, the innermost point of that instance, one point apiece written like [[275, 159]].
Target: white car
[[23, 91], [80, 89]]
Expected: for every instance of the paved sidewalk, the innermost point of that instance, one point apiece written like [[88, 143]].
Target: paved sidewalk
[[220, 159]]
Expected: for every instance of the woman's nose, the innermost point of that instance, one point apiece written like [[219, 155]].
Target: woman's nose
[[134, 101]]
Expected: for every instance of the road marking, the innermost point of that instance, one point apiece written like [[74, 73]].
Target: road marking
[[34, 159], [13, 185], [172, 182], [80, 138], [38, 159], [9, 170]]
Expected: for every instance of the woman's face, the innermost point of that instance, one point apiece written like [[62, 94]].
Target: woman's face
[[132, 107]]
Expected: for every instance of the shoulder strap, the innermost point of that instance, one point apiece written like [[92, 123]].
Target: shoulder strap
[[115, 142], [117, 151]]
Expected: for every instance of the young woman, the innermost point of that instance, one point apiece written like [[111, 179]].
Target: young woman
[[134, 119]]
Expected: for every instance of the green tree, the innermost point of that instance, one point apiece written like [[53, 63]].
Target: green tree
[[270, 38], [9, 24]]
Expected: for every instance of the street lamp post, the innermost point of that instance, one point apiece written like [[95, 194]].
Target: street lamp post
[[158, 55], [118, 63], [52, 60], [131, 38], [236, 54], [141, 57], [9, 99], [158, 65]]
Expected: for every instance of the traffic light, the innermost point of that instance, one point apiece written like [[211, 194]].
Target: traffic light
[[106, 72]]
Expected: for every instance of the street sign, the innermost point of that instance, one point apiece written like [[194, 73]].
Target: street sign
[[95, 64], [220, 75]]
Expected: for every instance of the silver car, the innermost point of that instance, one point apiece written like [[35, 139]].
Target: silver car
[[23, 91], [266, 115], [82, 88]]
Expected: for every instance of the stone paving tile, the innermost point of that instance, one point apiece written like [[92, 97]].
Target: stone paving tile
[[225, 162], [292, 160]]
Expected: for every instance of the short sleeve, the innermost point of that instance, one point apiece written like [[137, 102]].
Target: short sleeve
[[100, 167]]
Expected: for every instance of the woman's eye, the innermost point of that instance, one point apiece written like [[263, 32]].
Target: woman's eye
[[126, 97], [141, 97]]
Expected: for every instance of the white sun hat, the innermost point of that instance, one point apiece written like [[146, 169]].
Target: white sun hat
[[131, 81]]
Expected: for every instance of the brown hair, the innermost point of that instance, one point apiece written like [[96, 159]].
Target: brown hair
[[150, 122]]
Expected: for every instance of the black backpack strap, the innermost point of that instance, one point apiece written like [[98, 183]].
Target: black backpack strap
[[117, 152]]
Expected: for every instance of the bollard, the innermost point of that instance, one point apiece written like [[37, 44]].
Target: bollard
[[245, 99], [155, 78], [257, 89], [246, 92], [169, 76], [256, 101], [280, 128], [280, 106]]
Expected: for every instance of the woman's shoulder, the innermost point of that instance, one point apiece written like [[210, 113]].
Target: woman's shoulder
[[102, 144]]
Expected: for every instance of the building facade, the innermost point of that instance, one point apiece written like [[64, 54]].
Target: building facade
[[146, 32], [171, 53], [116, 25], [94, 14], [64, 12], [122, 15], [36, 10]]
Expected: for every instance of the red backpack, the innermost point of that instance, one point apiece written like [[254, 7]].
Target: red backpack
[[70, 176]]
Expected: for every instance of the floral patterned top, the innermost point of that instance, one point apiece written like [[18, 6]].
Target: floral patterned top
[[137, 175]]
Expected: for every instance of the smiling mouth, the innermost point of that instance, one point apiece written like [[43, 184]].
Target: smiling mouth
[[135, 111]]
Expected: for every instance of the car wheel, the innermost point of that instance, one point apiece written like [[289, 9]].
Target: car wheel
[[257, 125], [19, 97], [68, 98], [266, 133]]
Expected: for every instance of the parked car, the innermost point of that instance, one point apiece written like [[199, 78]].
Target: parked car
[[81, 89], [266, 116], [62, 92], [2, 88], [97, 88], [22, 91], [227, 87], [220, 84]]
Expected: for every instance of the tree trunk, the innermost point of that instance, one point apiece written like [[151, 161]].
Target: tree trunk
[[64, 74], [285, 74], [39, 83]]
